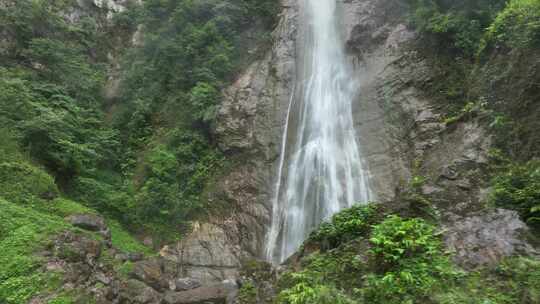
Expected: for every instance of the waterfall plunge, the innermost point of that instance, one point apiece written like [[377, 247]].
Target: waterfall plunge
[[321, 170]]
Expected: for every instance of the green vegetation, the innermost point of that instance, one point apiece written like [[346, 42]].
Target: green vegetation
[[402, 260], [347, 225], [142, 159], [517, 187], [22, 182], [22, 231], [518, 25], [62, 300], [513, 281], [169, 100], [124, 241], [381, 260], [410, 262], [146, 157], [303, 293], [31, 213], [247, 293], [456, 25]]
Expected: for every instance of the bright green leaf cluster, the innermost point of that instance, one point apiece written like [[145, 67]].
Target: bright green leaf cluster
[[518, 25], [347, 225]]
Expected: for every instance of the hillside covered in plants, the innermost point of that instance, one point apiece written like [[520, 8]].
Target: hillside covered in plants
[[141, 142]]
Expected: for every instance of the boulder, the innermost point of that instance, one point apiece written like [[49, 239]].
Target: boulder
[[134, 291], [486, 237], [183, 284], [77, 248], [150, 272], [223, 293], [88, 222], [135, 256]]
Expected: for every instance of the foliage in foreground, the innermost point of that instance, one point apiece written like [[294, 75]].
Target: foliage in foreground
[[394, 260], [31, 213], [400, 260], [410, 262]]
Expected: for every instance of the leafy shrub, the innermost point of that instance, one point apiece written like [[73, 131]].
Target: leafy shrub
[[247, 293], [109, 199], [410, 262], [65, 207], [396, 238], [62, 300], [66, 138], [339, 267], [515, 280], [204, 99], [347, 225], [303, 293], [458, 25], [518, 188], [518, 25]]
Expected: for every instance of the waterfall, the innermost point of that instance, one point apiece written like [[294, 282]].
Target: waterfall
[[321, 170]]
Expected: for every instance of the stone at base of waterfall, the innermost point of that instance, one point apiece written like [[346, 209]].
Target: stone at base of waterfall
[[134, 291], [183, 284], [150, 272], [487, 237], [223, 293]]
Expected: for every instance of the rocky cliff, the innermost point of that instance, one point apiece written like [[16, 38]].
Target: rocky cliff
[[402, 132], [249, 126], [422, 162]]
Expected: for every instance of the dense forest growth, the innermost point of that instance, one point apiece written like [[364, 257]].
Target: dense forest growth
[[143, 158]]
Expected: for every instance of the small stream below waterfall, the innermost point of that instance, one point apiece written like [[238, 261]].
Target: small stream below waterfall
[[321, 169]]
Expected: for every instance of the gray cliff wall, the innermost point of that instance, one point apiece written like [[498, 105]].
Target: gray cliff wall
[[400, 132]]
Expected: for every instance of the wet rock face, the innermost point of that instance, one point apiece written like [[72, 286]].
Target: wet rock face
[[484, 238], [208, 254]]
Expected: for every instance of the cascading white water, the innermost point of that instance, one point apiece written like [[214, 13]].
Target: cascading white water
[[323, 171]]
